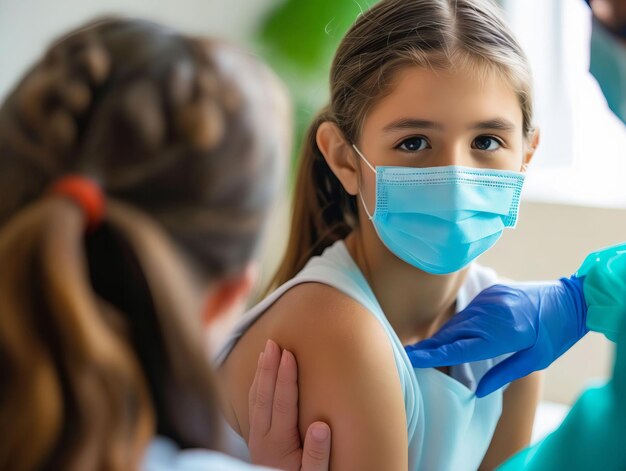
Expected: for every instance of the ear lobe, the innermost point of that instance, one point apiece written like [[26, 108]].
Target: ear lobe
[[529, 152], [229, 293], [339, 156]]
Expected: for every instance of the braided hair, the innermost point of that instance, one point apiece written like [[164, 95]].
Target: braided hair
[[99, 341]]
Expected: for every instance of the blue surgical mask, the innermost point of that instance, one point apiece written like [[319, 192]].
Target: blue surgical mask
[[439, 219], [608, 66]]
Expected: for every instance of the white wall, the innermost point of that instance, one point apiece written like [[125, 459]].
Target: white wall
[[27, 26]]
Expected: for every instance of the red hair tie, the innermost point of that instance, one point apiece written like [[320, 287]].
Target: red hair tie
[[86, 193]]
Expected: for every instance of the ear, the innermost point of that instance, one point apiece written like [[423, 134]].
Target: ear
[[339, 155], [228, 294], [530, 148]]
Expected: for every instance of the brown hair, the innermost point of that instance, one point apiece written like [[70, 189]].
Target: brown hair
[[100, 345], [392, 34]]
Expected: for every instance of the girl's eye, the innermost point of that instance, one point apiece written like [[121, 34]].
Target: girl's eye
[[487, 143], [413, 144]]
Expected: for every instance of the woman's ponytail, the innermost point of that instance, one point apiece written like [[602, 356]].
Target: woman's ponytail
[[73, 394]]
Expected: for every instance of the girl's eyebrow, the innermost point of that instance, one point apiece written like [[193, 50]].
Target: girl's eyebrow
[[412, 123], [500, 124]]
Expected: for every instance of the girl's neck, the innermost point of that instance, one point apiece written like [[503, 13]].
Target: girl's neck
[[416, 303]]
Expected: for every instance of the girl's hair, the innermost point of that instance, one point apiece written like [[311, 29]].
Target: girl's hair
[[100, 339], [439, 34]]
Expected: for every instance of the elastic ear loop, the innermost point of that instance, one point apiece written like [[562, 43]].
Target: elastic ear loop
[[375, 173]]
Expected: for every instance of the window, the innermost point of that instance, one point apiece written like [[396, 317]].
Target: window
[[581, 159]]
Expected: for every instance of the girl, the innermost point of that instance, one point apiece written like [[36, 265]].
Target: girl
[[176, 146], [410, 173]]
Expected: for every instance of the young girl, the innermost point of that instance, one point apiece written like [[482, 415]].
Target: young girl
[[137, 166], [411, 172]]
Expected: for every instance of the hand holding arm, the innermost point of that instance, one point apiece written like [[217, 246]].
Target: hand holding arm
[[274, 437]]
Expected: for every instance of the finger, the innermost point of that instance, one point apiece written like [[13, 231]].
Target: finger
[[264, 398], [285, 409], [461, 351], [435, 342], [316, 451], [516, 366], [253, 391], [464, 325]]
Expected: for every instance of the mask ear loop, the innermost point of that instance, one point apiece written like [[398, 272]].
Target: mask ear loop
[[373, 170]]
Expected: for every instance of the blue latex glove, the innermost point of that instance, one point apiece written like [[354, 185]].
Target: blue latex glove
[[592, 434], [538, 322]]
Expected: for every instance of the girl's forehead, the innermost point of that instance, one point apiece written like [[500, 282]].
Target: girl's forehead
[[448, 95]]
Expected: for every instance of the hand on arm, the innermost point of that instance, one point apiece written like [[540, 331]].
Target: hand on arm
[[274, 438]]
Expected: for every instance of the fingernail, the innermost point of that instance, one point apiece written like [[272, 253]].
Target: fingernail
[[269, 346], [320, 432], [260, 360], [284, 358]]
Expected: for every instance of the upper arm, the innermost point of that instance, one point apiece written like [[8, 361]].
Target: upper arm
[[515, 426], [346, 375], [348, 378]]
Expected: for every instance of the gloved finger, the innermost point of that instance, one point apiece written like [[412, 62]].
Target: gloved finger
[[285, 409], [461, 351], [316, 451], [516, 366], [451, 332], [264, 397]]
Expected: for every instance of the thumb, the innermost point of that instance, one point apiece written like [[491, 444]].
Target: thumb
[[516, 366], [316, 451]]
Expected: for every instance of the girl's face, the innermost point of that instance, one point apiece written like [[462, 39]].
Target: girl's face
[[439, 118]]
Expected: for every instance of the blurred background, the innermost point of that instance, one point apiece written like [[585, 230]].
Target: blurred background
[[575, 195]]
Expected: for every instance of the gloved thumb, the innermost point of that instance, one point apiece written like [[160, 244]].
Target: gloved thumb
[[430, 355]]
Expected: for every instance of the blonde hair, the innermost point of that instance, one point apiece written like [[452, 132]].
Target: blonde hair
[[438, 34]]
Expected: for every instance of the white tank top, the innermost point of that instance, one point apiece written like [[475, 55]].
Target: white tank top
[[448, 427]]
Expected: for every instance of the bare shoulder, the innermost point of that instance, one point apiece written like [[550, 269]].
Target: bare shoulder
[[347, 374], [321, 310]]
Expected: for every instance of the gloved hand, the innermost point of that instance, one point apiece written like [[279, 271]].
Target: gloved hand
[[538, 321]]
